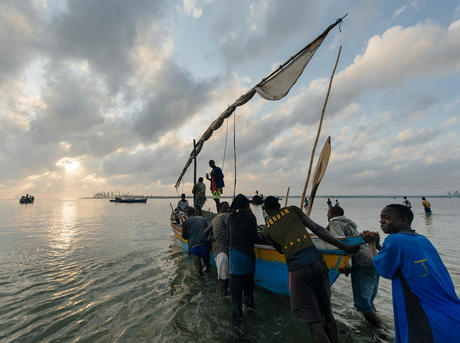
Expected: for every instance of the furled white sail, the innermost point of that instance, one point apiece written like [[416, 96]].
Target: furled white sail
[[274, 87]]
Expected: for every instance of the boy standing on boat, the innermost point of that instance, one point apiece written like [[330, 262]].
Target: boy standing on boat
[[199, 190], [217, 182], [198, 243], [308, 274], [425, 305], [219, 227], [364, 277], [182, 206]]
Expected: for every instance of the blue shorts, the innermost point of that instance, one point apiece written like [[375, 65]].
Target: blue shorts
[[201, 251], [365, 284]]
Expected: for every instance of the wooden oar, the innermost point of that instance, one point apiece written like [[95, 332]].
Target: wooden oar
[[321, 166]]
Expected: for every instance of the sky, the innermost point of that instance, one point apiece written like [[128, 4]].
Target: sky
[[108, 95]]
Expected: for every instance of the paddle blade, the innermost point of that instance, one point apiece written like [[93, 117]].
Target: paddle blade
[[323, 161], [320, 170]]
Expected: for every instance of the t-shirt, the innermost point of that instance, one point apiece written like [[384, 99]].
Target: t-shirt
[[193, 230], [199, 189], [342, 226], [286, 230], [425, 305], [218, 177], [182, 206], [426, 204], [221, 233]]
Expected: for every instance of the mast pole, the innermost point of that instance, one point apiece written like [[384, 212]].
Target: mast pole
[[194, 169], [287, 196], [319, 130]]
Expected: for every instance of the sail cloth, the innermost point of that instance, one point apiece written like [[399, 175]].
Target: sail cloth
[[273, 87]]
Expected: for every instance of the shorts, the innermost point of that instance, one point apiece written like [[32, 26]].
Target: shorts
[[201, 251], [222, 266], [310, 293], [365, 284]]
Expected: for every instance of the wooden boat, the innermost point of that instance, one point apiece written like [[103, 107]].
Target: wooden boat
[[271, 270], [129, 200], [27, 200]]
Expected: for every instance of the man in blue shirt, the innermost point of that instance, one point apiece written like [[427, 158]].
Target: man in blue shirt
[[425, 305], [217, 182]]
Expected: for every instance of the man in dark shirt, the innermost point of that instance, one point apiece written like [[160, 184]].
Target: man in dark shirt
[[198, 242], [308, 273], [243, 235]]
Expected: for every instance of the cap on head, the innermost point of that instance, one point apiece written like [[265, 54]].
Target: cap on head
[[240, 202], [224, 207], [271, 203]]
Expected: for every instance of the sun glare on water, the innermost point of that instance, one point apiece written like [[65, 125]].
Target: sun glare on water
[[70, 164]]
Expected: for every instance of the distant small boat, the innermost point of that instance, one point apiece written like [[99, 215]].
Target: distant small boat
[[27, 199], [129, 200]]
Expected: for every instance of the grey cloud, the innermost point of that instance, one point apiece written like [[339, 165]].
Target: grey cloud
[[103, 33], [21, 30], [176, 97]]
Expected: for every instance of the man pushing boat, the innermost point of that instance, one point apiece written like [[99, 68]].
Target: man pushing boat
[[308, 274]]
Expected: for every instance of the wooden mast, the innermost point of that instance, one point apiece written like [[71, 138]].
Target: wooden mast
[[194, 169], [319, 131]]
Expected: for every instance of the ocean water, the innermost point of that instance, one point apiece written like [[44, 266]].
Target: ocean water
[[94, 271]]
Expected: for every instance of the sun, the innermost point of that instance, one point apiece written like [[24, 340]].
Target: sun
[[69, 164]]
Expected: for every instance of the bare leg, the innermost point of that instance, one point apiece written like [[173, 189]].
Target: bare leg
[[198, 267], [373, 319], [318, 334]]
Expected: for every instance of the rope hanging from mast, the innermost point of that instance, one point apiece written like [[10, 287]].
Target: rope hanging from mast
[[234, 150], [225, 147]]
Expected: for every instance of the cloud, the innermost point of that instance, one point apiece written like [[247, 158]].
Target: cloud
[[451, 121], [191, 9]]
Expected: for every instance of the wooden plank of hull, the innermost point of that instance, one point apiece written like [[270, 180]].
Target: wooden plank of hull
[[271, 270]]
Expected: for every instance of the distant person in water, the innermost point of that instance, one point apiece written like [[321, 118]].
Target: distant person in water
[[309, 284], [337, 204], [217, 182], [182, 206], [199, 190], [425, 305], [199, 244], [364, 277], [427, 206], [243, 236], [406, 202], [219, 228], [329, 203]]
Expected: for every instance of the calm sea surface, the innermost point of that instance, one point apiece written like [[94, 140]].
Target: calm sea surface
[[94, 271]]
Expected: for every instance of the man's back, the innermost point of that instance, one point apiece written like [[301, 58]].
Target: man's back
[[221, 233], [342, 226], [193, 230]]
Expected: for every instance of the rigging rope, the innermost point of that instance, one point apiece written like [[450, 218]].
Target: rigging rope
[[225, 147], [234, 150]]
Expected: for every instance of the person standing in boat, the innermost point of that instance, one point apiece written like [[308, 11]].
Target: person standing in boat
[[217, 182], [329, 203], [199, 244], [308, 274], [427, 206], [182, 206], [425, 305], [364, 277], [219, 228], [406, 202], [337, 204], [243, 236], [199, 190]]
